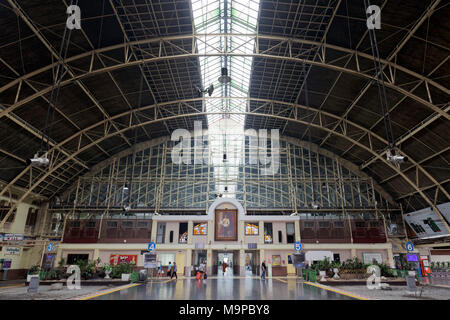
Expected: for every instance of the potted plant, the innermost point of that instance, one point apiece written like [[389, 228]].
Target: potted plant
[[33, 272], [335, 265], [107, 269], [323, 266], [126, 269]]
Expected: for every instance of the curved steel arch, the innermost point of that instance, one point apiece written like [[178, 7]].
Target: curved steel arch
[[321, 113], [265, 54], [131, 126]]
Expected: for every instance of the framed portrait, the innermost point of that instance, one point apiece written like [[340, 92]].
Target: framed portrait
[[226, 225]]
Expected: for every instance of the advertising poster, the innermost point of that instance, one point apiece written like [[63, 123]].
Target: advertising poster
[[276, 261], [115, 259], [426, 223], [201, 229], [251, 229]]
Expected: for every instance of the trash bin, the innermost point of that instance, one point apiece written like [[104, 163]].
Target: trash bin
[[142, 275]]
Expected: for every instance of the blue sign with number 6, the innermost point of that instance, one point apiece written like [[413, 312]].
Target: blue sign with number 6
[[409, 246]]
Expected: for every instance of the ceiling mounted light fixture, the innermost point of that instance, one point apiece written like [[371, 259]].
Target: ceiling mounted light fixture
[[224, 78]]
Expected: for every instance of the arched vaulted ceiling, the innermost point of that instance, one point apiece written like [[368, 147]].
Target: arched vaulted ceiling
[[98, 113]]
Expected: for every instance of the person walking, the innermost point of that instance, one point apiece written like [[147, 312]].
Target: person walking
[[263, 270], [169, 269], [224, 267], [202, 269], [174, 271]]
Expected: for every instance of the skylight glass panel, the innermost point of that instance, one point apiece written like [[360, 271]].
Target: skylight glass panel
[[212, 20]]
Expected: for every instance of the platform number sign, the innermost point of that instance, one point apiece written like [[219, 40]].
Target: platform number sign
[[151, 246], [297, 246], [409, 246], [50, 247]]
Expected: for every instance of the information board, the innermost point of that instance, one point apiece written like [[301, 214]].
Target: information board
[[149, 260], [299, 260]]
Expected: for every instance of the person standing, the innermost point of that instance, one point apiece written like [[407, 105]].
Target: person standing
[[174, 271], [224, 267], [160, 270], [263, 270]]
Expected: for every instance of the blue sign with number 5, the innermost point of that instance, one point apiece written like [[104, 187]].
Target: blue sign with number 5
[[298, 246]]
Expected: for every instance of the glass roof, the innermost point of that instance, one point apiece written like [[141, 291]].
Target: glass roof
[[239, 19]]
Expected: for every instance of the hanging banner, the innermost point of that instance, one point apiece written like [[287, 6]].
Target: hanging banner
[[115, 259]]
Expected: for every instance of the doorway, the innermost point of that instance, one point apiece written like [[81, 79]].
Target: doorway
[[251, 263], [226, 257]]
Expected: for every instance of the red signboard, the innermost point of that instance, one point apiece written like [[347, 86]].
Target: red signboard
[[115, 259]]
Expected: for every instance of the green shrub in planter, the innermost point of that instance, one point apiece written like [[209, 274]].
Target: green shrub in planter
[[34, 269], [121, 268]]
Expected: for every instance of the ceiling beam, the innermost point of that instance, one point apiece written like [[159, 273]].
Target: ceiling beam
[[294, 120], [288, 57], [44, 41]]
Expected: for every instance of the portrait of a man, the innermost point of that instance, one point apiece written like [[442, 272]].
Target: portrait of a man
[[226, 225]]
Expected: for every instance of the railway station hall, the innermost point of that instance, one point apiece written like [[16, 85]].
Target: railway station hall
[[224, 150]]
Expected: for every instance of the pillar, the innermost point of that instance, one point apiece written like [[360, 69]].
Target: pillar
[[188, 266], [58, 255], [297, 230], [241, 233], [261, 259], [261, 233], [96, 254], [210, 232], [242, 262], [353, 253], [390, 257], [154, 230], [209, 262], [190, 232]]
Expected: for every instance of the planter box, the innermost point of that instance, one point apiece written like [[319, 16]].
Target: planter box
[[125, 276], [29, 276], [350, 276]]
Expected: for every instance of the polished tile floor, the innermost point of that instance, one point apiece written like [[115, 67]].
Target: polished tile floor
[[225, 289]]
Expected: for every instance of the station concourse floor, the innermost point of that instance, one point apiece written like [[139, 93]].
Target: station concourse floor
[[220, 288]]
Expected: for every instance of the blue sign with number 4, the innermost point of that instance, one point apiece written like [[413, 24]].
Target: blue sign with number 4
[[151, 246]]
